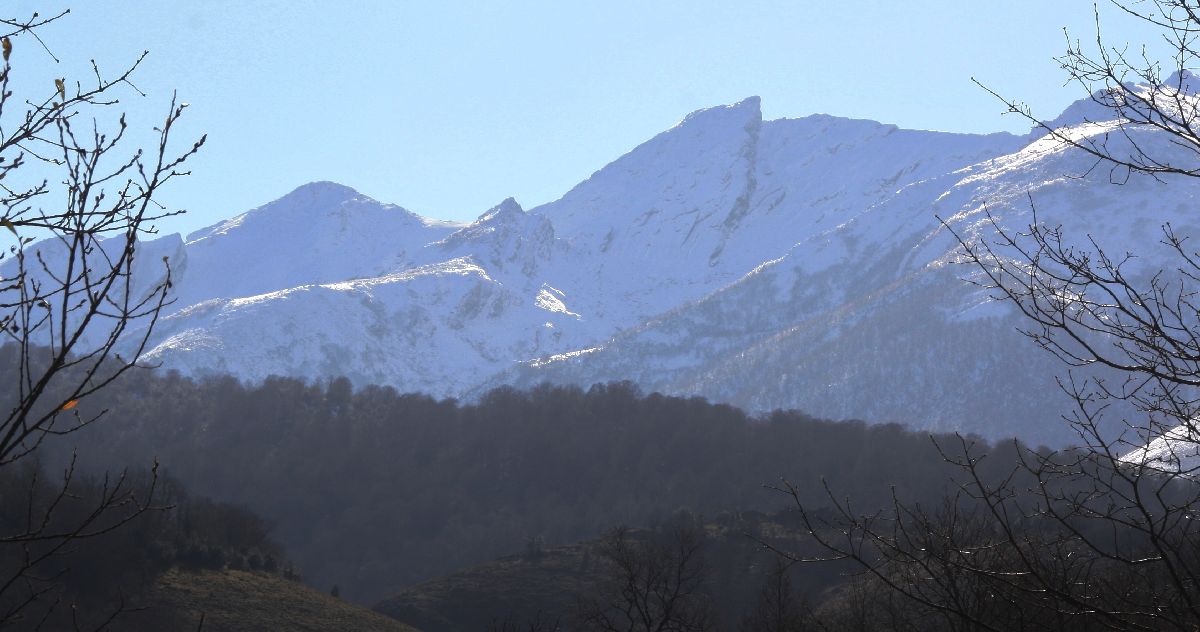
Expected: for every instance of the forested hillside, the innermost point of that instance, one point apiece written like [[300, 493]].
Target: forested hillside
[[102, 544], [374, 490]]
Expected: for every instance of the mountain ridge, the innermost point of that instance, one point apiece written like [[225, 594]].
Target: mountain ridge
[[768, 264]]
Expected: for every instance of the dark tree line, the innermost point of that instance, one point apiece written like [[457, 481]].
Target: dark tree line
[[374, 490], [97, 561]]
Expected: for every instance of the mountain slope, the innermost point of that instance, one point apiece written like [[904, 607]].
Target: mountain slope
[[233, 601], [789, 263], [869, 319], [312, 235]]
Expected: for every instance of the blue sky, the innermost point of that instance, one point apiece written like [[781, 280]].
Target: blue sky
[[448, 107]]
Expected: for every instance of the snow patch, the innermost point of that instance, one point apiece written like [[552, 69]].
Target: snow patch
[[1175, 452], [550, 299]]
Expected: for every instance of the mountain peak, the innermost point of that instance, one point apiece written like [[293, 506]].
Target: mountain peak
[[321, 193], [1101, 106], [1185, 81], [747, 111], [509, 207]]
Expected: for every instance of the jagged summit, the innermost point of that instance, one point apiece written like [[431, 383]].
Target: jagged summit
[[744, 112], [682, 179], [1185, 80], [1099, 106], [509, 207], [504, 238]]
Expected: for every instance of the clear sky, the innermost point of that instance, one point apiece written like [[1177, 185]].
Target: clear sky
[[448, 107]]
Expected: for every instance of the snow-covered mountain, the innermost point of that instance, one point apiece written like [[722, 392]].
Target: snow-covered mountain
[[792, 263]]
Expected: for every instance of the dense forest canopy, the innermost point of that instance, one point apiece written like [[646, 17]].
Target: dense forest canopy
[[375, 490]]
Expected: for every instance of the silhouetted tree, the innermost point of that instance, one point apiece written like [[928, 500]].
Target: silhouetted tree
[[69, 301], [778, 608], [539, 623], [1102, 536], [656, 583]]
